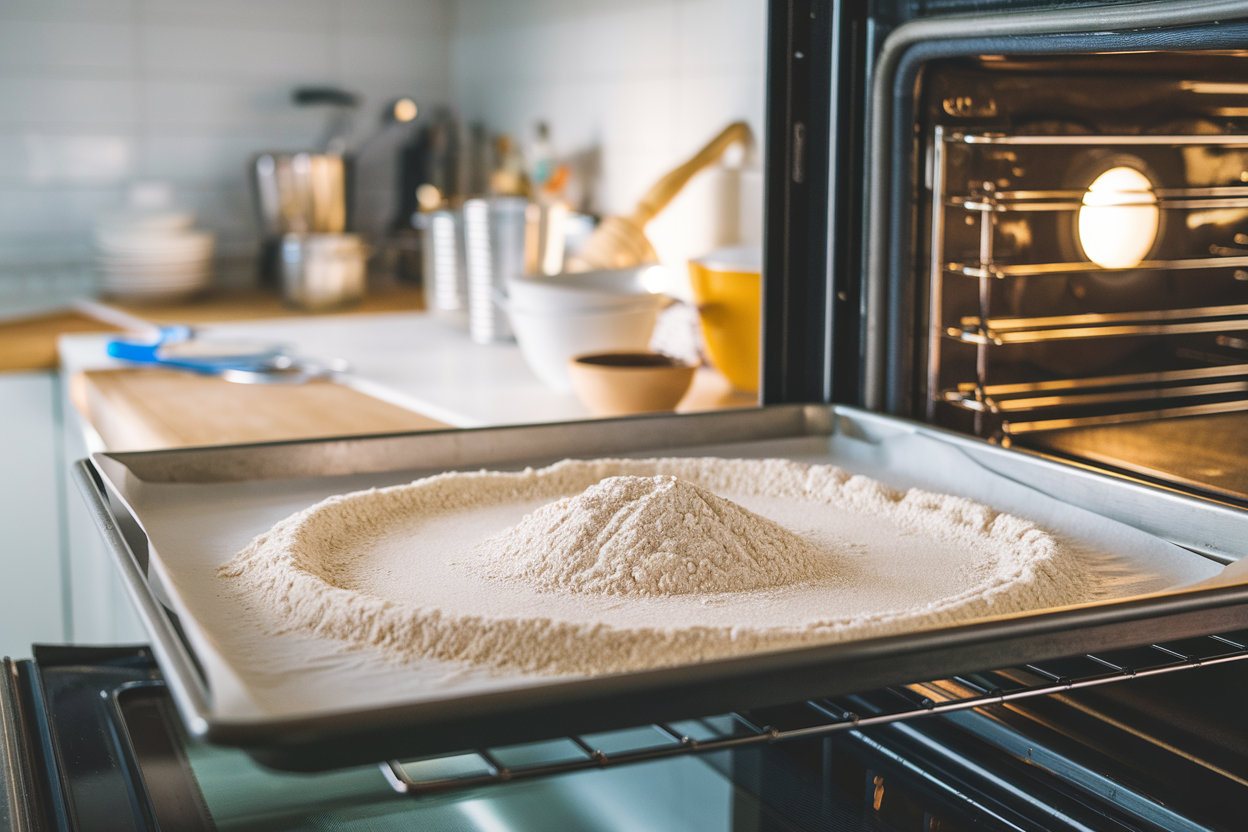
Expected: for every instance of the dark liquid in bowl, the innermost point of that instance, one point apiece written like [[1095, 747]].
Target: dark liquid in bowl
[[631, 359]]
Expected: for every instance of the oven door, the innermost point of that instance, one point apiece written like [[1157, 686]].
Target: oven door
[[92, 740]]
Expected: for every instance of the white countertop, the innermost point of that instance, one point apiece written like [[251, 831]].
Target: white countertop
[[420, 362]]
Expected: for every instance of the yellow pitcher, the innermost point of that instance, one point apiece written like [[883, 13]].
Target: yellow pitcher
[[727, 287]]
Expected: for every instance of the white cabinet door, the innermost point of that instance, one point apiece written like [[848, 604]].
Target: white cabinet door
[[32, 607]]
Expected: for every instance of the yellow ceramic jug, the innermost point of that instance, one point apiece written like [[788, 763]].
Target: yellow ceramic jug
[[727, 287]]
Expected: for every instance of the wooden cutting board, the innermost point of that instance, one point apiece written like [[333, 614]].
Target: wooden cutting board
[[150, 408]]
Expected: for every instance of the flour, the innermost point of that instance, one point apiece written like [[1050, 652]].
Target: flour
[[649, 536], [603, 566]]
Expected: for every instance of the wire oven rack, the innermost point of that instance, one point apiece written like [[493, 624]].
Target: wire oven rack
[[805, 720], [1079, 402]]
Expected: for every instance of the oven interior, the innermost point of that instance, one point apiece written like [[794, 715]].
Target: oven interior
[[1082, 224]]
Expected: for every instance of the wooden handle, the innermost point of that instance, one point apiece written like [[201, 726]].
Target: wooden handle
[[666, 188]]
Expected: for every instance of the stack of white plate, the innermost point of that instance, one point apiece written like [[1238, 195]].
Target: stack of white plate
[[152, 255]]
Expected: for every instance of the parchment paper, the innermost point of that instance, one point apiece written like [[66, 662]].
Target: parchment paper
[[193, 529]]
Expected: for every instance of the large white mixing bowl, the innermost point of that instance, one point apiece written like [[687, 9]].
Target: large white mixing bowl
[[616, 288], [548, 339]]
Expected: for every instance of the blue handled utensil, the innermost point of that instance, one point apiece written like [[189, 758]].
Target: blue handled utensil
[[243, 363]]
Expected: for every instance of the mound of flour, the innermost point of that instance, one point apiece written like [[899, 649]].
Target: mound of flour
[[610, 565], [650, 536]]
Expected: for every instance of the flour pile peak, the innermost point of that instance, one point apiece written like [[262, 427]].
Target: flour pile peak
[[657, 535]]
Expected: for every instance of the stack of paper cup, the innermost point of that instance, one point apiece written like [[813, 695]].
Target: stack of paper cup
[[151, 255]]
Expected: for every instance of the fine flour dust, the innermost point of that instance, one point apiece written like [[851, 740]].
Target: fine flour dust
[[612, 565]]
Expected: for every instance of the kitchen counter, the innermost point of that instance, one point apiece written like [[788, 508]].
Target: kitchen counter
[[416, 361], [28, 342]]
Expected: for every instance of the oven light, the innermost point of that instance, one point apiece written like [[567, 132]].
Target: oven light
[[1119, 218]]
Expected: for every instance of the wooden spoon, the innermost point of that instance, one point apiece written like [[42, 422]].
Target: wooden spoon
[[620, 242]]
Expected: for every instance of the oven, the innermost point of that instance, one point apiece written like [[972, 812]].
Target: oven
[[1020, 229], [1035, 230]]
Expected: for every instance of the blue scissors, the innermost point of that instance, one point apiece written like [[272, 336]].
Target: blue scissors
[[244, 363]]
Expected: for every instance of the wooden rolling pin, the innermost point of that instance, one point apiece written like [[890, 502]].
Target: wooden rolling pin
[[620, 242]]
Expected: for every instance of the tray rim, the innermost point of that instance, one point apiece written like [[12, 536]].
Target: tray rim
[[328, 740]]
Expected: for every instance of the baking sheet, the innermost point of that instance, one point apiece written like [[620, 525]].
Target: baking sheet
[[194, 528]]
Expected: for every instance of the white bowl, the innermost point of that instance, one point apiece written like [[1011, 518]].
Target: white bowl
[[112, 280], [140, 267], [154, 291], [619, 287], [162, 276], [143, 264], [177, 244], [150, 255], [134, 219], [547, 341]]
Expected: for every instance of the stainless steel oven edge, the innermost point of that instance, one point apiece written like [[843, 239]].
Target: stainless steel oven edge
[[1121, 17], [129, 553], [17, 781], [471, 448], [626, 700]]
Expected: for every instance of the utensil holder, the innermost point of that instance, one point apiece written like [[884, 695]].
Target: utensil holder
[[445, 269], [494, 247]]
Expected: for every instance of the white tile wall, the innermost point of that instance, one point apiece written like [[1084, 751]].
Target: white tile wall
[[99, 93], [640, 84], [95, 94]]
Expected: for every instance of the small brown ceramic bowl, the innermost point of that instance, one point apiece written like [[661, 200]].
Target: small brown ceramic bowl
[[619, 383]]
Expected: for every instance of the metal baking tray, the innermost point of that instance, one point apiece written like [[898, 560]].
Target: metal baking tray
[[404, 729]]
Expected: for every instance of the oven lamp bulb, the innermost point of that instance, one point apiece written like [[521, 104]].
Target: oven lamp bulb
[[1119, 218]]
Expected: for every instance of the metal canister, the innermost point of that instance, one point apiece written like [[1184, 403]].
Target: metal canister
[[301, 193], [445, 270], [494, 232], [323, 271]]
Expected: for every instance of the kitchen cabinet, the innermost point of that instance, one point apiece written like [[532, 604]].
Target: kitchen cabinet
[[59, 584], [31, 485]]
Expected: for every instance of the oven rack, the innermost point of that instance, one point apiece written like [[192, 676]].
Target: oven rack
[[1123, 397], [811, 719], [992, 200], [1095, 139], [1072, 402], [998, 271], [1105, 406], [1013, 398], [1002, 331], [1180, 199]]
